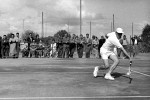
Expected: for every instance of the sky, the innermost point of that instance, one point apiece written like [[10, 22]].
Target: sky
[[20, 15]]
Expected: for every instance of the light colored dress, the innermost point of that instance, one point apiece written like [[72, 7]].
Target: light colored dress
[[95, 48], [12, 50]]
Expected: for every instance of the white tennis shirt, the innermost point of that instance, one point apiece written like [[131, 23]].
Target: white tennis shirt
[[111, 42]]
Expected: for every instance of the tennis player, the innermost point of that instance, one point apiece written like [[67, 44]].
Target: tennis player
[[108, 51]]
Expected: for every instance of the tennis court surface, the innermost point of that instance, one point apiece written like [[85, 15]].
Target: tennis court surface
[[72, 79]]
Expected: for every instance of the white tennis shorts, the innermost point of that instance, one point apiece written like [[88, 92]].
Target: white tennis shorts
[[106, 53]]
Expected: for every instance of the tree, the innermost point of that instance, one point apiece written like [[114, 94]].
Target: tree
[[27, 32], [9, 35], [60, 34], [146, 38], [47, 40]]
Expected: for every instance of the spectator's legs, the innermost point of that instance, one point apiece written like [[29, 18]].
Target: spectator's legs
[[72, 49], [87, 52]]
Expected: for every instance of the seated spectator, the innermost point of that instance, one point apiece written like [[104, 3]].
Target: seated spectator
[[24, 48], [39, 50], [33, 47]]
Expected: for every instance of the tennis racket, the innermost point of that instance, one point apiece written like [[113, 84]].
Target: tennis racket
[[129, 70]]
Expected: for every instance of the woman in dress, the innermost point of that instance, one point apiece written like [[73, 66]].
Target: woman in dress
[[12, 43]]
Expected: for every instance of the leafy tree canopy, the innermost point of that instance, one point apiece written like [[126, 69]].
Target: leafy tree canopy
[[27, 32], [60, 34]]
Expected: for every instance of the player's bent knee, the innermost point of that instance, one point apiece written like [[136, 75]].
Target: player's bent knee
[[107, 66], [116, 61]]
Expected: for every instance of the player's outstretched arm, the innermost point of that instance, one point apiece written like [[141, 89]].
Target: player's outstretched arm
[[125, 52]]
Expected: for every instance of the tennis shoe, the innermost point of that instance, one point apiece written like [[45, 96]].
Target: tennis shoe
[[109, 77], [95, 72]]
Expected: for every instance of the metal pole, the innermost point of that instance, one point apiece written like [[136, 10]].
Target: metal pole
[[23, 25], [80, 17], [113, 23], [90, 29], [130, 45], [132, 29], [111, 27], [42, 26], [68, 26]]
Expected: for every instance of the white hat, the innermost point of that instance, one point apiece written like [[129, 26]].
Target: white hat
[[119, 30]]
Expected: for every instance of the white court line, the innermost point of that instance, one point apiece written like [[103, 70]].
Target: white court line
[[99, 97], [136, 72], [58, 72]]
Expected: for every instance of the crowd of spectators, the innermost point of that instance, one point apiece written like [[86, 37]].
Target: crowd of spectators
[[64, 47]]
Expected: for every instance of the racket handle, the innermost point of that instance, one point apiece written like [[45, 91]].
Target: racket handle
[[130, 63]]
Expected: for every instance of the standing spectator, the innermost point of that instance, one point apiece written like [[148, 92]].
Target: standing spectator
[[59, 47], [5, 47], [37, 39], [80, 45], [101, 42], [135, 42], [29, 41], [17, 44], [95, 46], [125, 45], [72, 46], [0, 47], [53, 51], [12, 50], [65, 46], [88, 46]]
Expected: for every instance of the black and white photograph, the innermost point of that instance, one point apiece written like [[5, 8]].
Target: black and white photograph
[[74, 49]]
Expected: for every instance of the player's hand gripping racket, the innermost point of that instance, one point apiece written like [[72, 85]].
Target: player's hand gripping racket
[[129, 71]]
